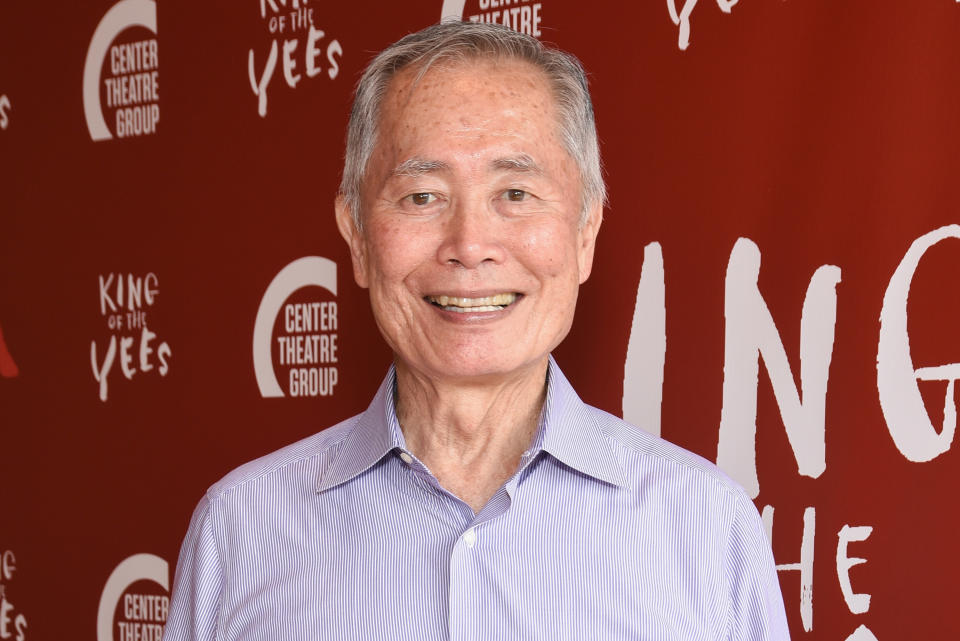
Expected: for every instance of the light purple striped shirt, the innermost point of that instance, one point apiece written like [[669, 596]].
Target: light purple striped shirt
[[605, 532]]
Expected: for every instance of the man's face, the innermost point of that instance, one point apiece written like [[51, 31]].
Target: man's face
[[471, 244]]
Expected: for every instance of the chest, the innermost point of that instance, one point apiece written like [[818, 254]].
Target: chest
[[397, 561]]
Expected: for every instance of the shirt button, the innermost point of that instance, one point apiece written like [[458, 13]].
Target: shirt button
[[470, 537], [406, 458]]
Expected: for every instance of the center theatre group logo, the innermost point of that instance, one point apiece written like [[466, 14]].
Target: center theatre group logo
[[302, 41], [125, 300], [520, 15], [135, 600], [132, 85], [11, 622], [306, 342]]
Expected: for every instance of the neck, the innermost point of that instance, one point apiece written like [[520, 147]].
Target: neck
[[471, 434]]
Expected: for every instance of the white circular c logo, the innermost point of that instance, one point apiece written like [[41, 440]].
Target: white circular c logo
[[452, 10], [124, 14], [138, 567], [310, 270]]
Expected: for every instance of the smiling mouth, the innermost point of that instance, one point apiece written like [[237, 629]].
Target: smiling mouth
[[493, 303]]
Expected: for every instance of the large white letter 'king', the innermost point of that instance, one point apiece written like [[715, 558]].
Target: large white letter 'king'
[[900, 399], [646, 350], [751, 333]]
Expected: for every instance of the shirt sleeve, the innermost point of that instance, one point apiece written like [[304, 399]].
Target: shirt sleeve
[[198, 583], [756, 606]]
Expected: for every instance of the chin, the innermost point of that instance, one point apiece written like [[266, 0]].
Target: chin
[[483, 367]]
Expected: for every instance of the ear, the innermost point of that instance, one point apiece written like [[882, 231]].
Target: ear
[[587, 240], [355, 240]]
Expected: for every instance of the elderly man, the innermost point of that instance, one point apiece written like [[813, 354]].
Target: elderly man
[[477, 497]]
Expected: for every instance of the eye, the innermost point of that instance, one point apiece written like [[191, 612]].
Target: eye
[[421, 199], [515, 195]]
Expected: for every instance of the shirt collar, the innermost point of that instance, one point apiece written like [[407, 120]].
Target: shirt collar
[[568, 431], [376, 433]]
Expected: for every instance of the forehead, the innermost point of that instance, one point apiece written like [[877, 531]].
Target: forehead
[[468, 95], [517, 73]]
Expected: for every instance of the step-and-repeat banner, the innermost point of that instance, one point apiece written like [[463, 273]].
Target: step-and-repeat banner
[[775, 288]]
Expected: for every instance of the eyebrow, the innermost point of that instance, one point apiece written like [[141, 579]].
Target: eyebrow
[[522, 163], [415, 167]]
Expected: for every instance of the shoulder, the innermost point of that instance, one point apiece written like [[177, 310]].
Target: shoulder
[[295, 460], [720, 528], [642, 454]]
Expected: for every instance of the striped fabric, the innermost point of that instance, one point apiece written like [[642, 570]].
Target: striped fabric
[[605, 532]]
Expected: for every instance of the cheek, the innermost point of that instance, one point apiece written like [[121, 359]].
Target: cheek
[[549, 250], [390, 263], [395, 252]]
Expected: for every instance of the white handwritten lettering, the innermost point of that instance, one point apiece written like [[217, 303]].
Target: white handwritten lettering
[[903, 409], [751, 333]]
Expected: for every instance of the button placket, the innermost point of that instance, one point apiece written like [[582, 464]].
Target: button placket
[[466, 611]]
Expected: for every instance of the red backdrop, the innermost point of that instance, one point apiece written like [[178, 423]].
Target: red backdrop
[[782, 175]]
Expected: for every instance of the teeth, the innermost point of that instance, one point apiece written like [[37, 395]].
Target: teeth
[[485, 304]]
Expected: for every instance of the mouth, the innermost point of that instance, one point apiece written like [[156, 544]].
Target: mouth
[[461, 305]]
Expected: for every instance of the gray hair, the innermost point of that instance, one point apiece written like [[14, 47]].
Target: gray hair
[[459, 41]]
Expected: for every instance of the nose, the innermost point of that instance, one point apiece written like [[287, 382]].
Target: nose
[[472, 236]]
